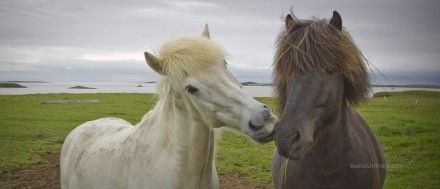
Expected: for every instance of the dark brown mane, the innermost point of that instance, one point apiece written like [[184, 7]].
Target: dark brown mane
[[315, 45]]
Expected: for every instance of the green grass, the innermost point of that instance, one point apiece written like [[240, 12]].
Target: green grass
[[29, 129], [408, 126], [237, 153]]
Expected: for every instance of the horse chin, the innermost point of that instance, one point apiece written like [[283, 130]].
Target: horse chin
[[265, 139], [300, 152], [296, 156]]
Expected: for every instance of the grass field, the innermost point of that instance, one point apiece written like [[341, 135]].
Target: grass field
[[408, 126]]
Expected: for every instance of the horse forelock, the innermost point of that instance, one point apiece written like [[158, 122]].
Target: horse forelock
[[188, 55], [314, 45], [182, 57]]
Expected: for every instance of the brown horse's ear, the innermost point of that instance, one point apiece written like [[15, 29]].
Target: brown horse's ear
[[336, 20], [154, 63], [289, 21]]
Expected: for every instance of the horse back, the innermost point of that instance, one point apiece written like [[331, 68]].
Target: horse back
[[91, 137], [368, 141]]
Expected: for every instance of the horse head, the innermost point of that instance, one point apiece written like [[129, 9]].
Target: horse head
[[194, 71], [318, 72]]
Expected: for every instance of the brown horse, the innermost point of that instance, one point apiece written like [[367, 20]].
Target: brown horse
[[322, 142]]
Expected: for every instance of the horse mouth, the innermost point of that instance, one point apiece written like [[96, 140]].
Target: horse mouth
[[265, 139], [299, 152], [296, 156], [291, 151]]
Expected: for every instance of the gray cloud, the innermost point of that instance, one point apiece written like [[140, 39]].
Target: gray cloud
[[48, 39]]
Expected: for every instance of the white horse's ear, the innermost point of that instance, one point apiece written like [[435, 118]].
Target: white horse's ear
[[154, 63], [205, 32]]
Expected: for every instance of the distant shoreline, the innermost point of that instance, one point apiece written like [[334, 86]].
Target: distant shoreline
[[253, 89], [248, 83], [24, 82], [401, 86], [409, 86]]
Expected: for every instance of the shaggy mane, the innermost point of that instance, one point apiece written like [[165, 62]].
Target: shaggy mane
[[188, 55], [316, 46], [182, 57]]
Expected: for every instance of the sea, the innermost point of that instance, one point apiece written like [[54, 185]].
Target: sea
[[121, 87]]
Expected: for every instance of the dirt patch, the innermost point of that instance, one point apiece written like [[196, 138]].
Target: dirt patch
[[239, 181], [46, 175]]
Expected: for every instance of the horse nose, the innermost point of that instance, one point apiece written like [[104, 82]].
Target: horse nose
[[260, 120], [280, 144], [284, 152], [266, 111], [286, 140], [255, 128], [295, 139]]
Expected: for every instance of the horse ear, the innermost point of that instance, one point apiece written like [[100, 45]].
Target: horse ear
[[154, 63], [336, 20], [289, 21], [205, 32]]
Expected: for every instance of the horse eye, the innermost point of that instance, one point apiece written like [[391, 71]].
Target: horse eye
[[329, 71], [191, 89]]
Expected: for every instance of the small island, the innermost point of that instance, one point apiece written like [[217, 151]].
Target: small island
[[11, 85], [81, 87], [251, 83]]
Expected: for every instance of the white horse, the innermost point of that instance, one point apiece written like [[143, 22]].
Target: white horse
[[173, 145]]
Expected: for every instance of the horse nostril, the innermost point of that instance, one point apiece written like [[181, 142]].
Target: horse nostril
[[254, 127], [283, 151], [295, 137], [267, 113]]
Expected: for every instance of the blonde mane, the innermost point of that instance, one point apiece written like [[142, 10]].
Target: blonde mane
[[187, 55]]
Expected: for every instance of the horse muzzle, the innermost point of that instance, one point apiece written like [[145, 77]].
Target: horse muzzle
[[289, 143]]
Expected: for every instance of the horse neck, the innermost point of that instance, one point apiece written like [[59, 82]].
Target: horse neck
[[182, 135], [335, 138], [338, 136]]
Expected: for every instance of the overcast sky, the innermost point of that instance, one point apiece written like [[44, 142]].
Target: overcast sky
[[104, 40]]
